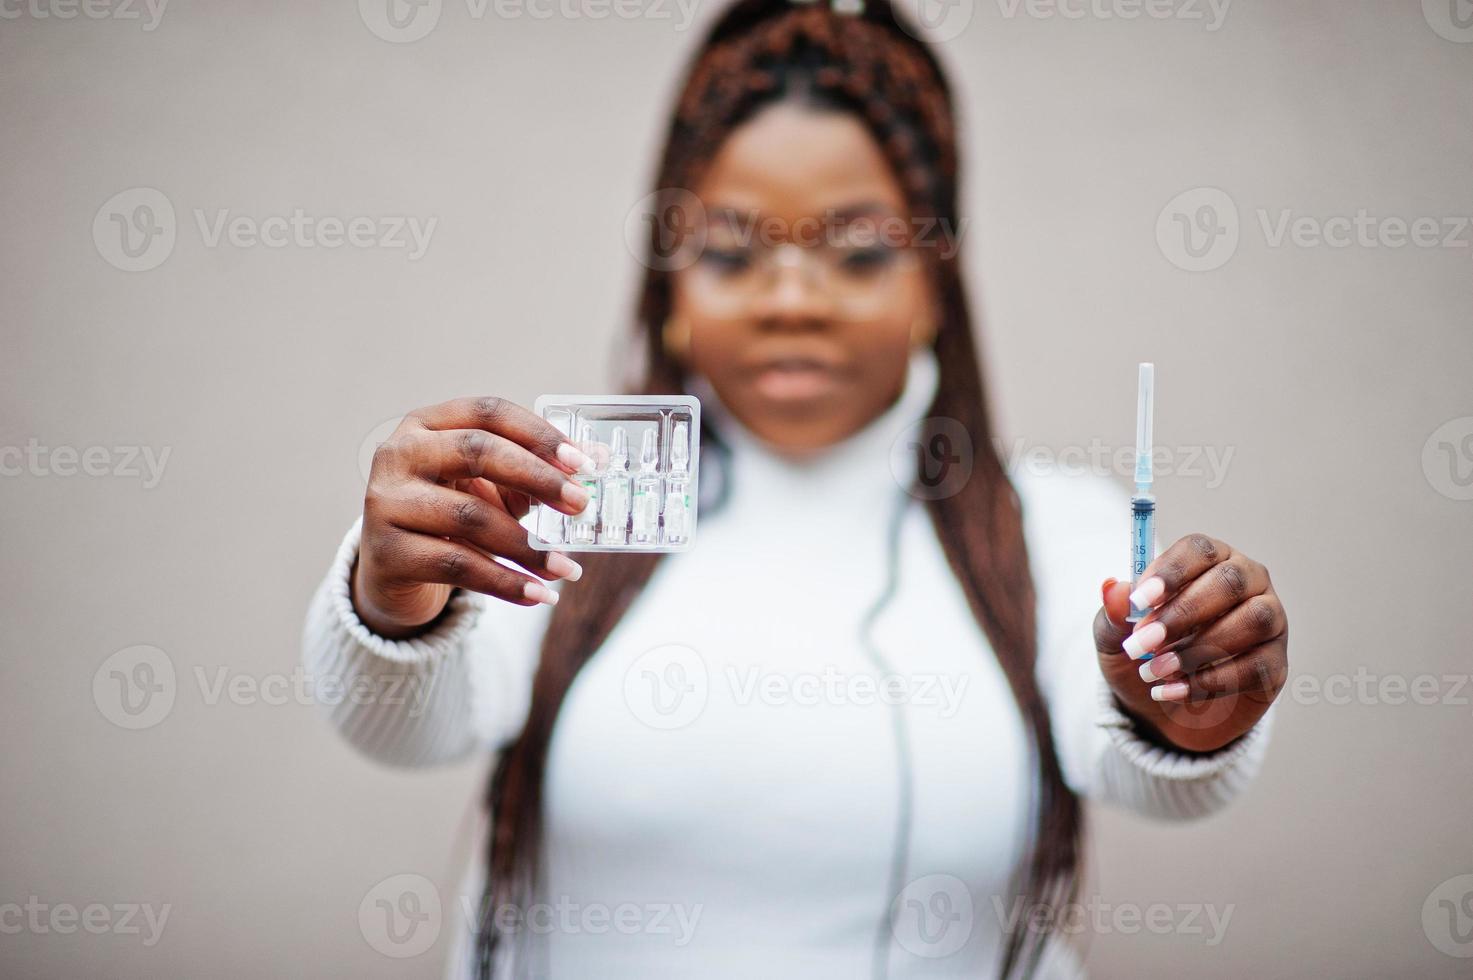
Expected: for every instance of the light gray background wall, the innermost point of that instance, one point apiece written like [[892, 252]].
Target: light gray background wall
[[1325, 371]]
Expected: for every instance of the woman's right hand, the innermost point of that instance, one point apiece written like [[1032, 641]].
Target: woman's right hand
[[444, 496]]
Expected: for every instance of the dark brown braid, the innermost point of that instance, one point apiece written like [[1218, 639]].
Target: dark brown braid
[[759, 52]]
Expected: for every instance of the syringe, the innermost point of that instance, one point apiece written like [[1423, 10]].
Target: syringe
[[1142, 503]]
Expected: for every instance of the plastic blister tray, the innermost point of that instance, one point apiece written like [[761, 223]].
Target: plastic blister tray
[[646, 451]]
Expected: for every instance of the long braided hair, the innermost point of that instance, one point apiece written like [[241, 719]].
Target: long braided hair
[[869, 64]]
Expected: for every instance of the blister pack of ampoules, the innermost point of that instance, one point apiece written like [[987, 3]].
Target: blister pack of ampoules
[[645, 452]]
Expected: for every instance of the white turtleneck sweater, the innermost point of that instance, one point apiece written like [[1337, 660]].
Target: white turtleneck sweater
[[729, 774]]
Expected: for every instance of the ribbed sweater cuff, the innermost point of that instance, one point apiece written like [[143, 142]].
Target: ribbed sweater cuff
[[1158, 782]]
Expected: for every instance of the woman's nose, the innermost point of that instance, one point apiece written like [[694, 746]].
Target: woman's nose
[[794, 294]]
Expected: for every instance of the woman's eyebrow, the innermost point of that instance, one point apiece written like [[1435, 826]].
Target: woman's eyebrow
[[730, 213], [865, 209]]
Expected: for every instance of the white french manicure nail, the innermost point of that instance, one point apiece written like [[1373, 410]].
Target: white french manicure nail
[[1159, 667], [564, 567], [572, 457], [1143, 640], [574, 496], [1175, 691], [538, 592], [1148, 593]]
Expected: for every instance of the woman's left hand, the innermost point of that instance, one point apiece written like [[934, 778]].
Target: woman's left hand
[[1219, 639]]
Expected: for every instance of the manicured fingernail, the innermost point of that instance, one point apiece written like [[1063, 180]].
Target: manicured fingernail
[[1105, 589], [573, 458], [1148, 593], [1157, 668], [1144, 640], [574, 495], [538, 592], [564, 567], [1175, 691]]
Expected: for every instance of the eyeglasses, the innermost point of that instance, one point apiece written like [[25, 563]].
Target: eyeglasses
[[857, 277]]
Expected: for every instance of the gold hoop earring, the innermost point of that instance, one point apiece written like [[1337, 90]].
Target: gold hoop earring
[[922, 331], [675, 335]]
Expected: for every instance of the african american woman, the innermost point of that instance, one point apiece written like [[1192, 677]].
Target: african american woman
[[837, 835]]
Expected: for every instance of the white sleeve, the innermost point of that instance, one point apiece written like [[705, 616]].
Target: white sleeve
[[463, 686], [1078, 532]]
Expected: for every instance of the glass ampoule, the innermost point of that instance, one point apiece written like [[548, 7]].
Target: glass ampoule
[[615, 512], [647, 491], [550, 522], [677, 487], [584, 524]]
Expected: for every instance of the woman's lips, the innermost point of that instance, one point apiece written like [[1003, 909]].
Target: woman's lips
[[795, 379]]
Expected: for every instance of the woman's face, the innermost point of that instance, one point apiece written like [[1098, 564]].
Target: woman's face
[[804, 303]]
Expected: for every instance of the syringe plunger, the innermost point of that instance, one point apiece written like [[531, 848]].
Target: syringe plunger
[[1145, 400]]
